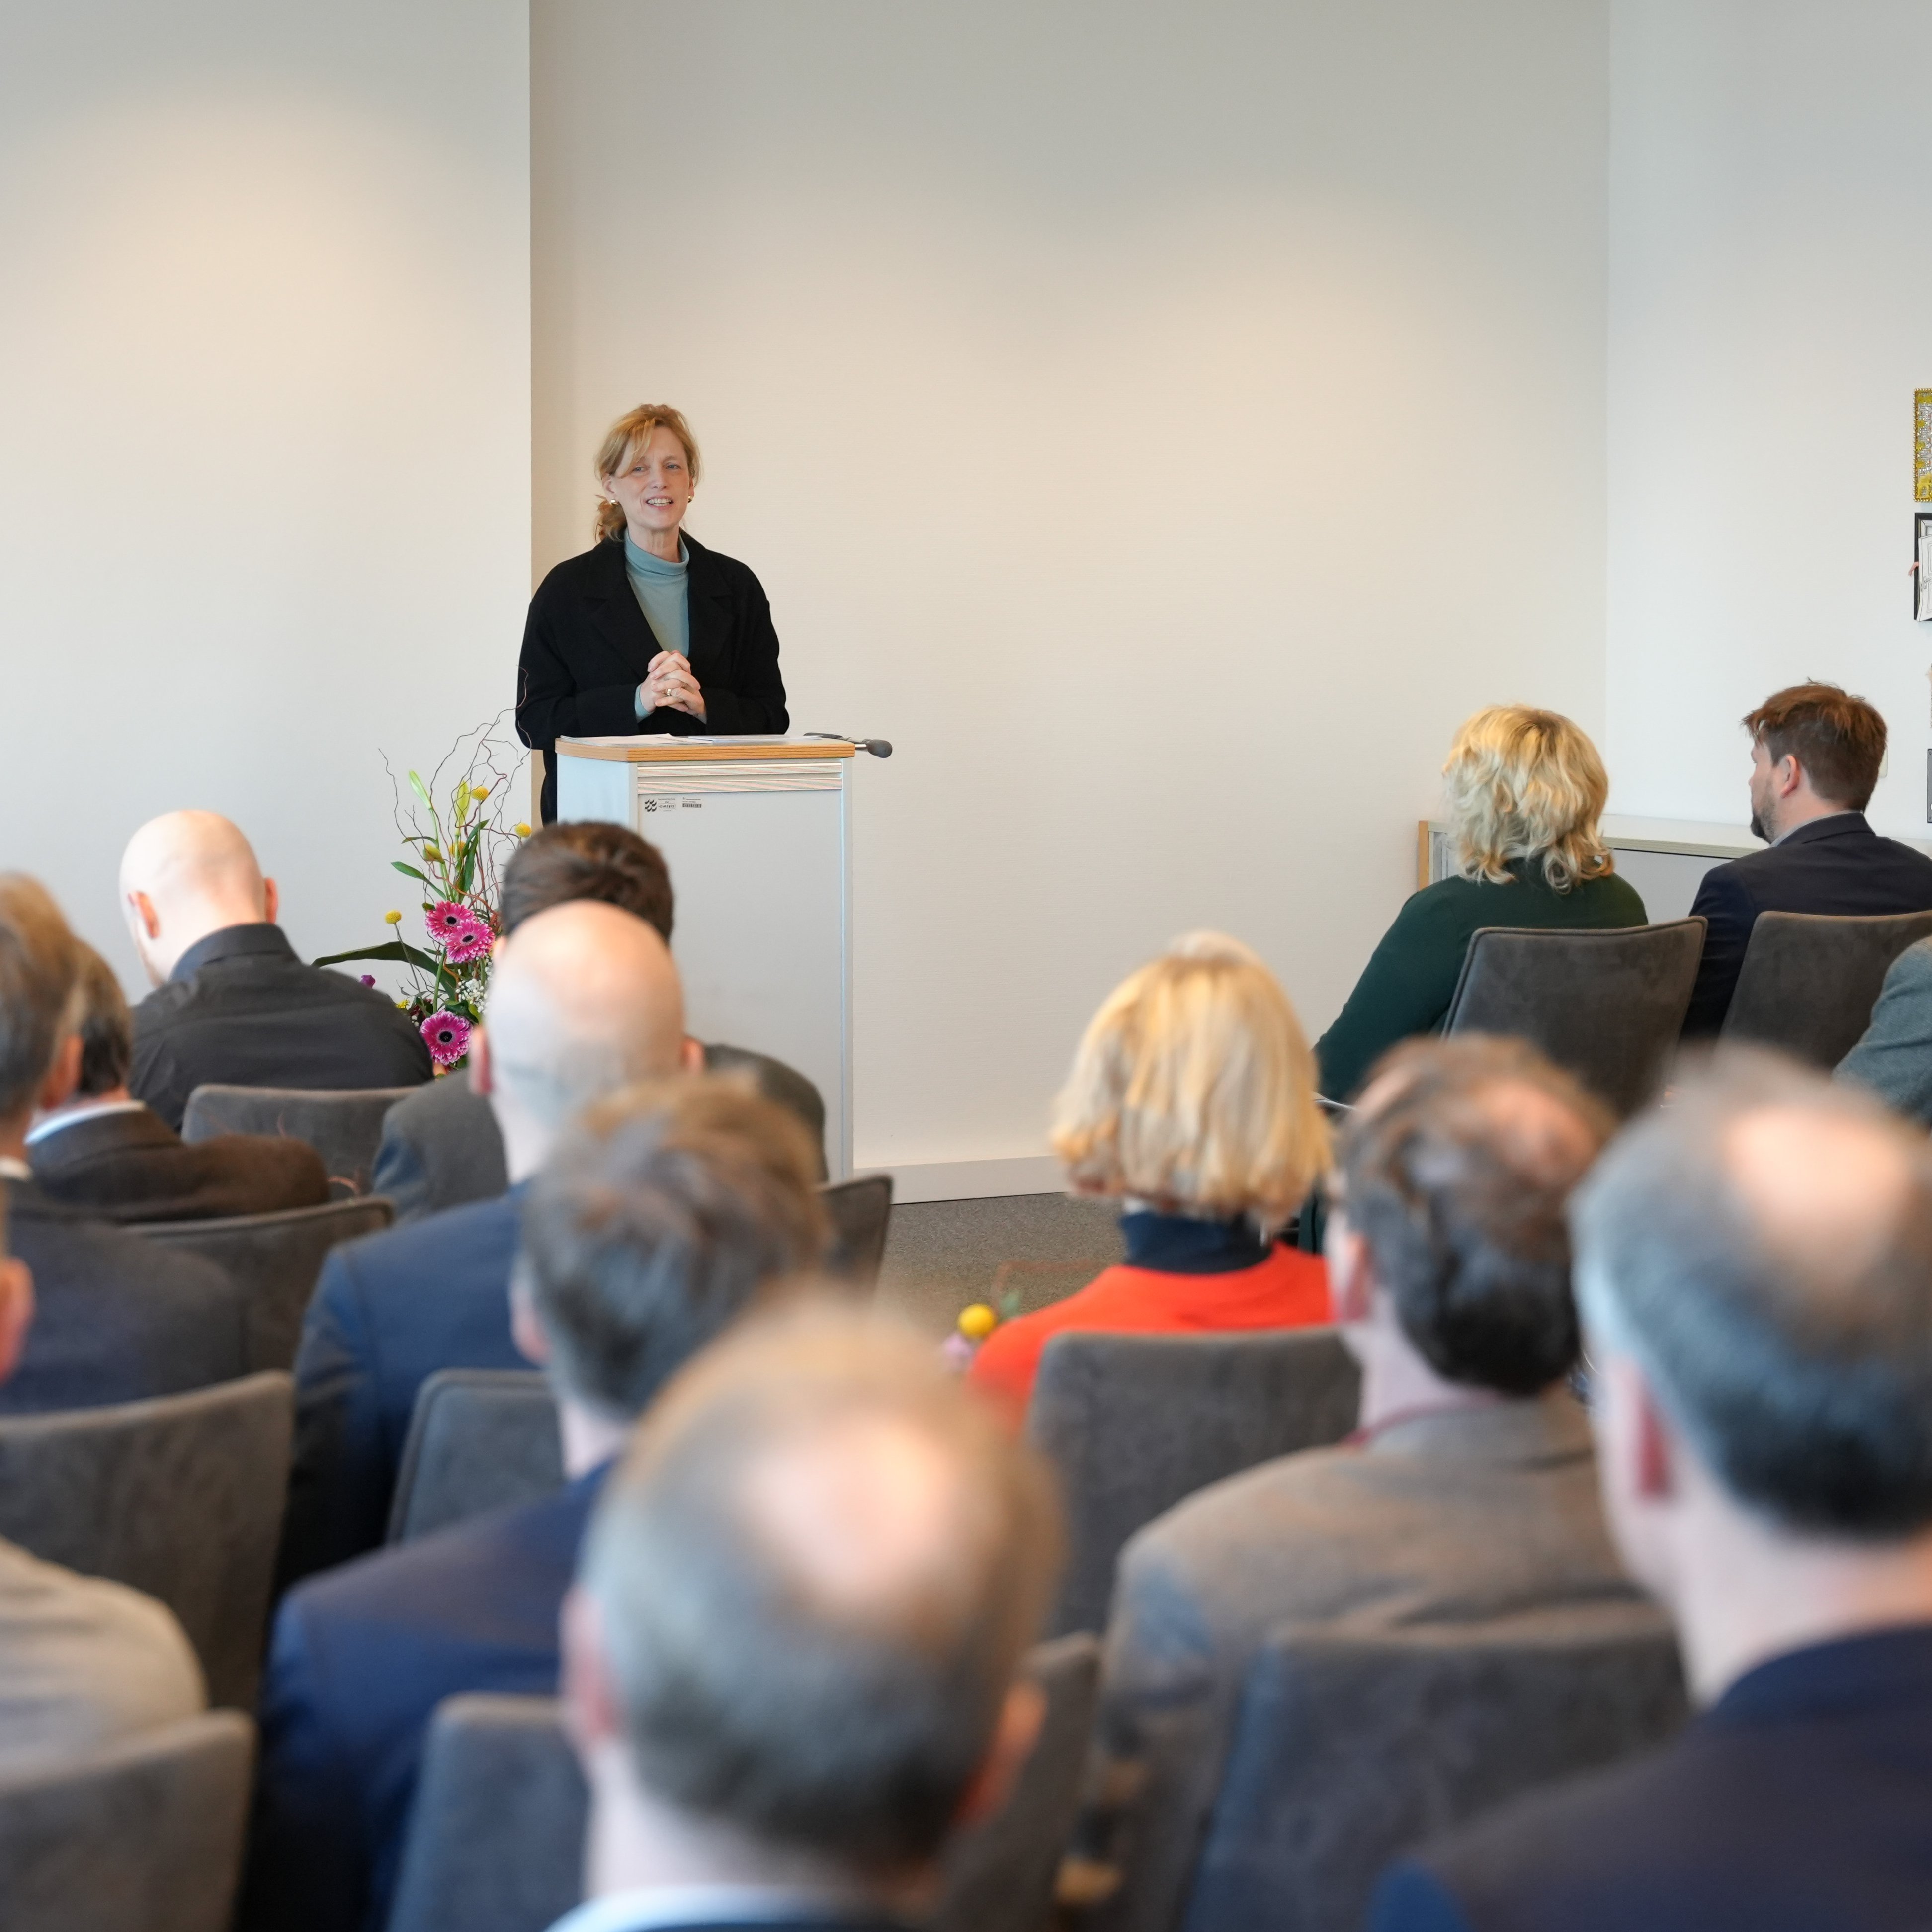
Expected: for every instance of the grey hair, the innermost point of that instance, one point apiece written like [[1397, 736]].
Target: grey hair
[[1802, 1373]]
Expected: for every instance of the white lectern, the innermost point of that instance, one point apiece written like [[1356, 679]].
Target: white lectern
[[757, 835]]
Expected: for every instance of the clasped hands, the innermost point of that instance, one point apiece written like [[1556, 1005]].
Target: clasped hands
[[668, 685]]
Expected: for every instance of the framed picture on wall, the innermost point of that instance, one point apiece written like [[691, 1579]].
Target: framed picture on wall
[[1921, 573], [1921, 445]]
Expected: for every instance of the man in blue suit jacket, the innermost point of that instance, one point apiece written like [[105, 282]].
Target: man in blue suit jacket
[[1815, 758], [1756, 1267], [720, 1204], [584, 999]]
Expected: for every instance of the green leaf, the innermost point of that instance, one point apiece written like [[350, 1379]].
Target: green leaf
[[421, 790], [409, 870], [398, 950]]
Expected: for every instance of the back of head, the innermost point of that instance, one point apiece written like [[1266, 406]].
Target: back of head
[[663, 1214], [584, 999], [1839, 739], [188, 860], [106, 1027], [39, 963], [1524, 785], [1763, 1247], [818, 1569], [1456, 1170], [1193, 1091], [587, 859]]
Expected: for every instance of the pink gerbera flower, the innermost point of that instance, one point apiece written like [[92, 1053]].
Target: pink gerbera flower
[[448, 1037], [472, 942], [446, 918]]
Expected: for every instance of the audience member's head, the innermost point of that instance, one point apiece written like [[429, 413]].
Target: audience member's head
[[1814, 751], [583, 1000], [184, 876], [662, 1215], [107, 1029], [792, 1659], [39, 964], [1525, 786], [1193, 1091], [587, 859], [1755, 1269], [1448, 1248]]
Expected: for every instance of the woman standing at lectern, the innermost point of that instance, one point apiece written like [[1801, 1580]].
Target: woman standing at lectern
[[647, 630]]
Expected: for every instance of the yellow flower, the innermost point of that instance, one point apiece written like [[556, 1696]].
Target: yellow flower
[[392, 919], [977, 1322], [522, 830], [431, 853]]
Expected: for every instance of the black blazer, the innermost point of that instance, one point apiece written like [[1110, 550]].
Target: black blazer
[[1837, 866], [240, 1007], [116, 1319], [586, 648], [129, 1166], [1799, 1802]]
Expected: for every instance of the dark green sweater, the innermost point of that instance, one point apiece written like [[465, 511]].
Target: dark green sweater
[[1406, 987]]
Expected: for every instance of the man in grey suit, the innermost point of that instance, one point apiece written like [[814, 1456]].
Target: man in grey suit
[[1468, 1493], [1895, 1058], [441, 1145]]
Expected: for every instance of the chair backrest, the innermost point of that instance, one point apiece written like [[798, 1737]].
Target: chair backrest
[[180, 1496], [1809, 982], [858, 1211], [1134, 1423], [143, 1835], [496, 1835], [276, 1258], [343, 1125], [1608, 1005], [999, 1874], [479, 1439], [1348, 1750]]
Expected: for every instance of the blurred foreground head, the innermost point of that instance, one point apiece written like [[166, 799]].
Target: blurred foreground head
[[792, 1656]]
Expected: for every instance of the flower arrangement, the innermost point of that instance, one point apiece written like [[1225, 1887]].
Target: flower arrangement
[[456, 851]]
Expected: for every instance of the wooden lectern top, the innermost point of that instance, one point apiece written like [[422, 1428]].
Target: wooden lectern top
[[658, 749]]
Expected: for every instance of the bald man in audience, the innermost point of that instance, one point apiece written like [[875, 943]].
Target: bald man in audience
[[666, 1214], [1754, 1263], [232, 1004], [119, 1318], [1468, 1495], [584, 999], [793, 1661], [82, 1661]]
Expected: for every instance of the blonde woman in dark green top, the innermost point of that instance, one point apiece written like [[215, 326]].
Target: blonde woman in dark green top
[[1525, 790]]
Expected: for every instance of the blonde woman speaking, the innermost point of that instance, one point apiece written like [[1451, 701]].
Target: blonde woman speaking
[[1525, 790], [647, 630]]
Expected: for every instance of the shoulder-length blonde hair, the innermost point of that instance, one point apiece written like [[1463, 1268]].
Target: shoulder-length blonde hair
[[1522, 783], [629, 433], [1194, 1090]]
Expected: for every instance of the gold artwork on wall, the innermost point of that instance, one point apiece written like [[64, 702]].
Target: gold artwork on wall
[[1921, 445]]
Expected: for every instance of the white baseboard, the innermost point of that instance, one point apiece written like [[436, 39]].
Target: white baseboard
[[974, 1180]]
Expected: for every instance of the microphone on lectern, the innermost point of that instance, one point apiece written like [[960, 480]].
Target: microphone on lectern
[[879, 748]]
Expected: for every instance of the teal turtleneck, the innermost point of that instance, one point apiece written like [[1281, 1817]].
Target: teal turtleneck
[[663, 592]]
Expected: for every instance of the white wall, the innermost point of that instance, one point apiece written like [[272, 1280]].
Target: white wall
[[264, 484], [1770, 290], [1164, 422]]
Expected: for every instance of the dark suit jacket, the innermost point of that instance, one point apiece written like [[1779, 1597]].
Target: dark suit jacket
[[129, 1166], [116, 1319], [362, 1658], [389, 1310], [241, 1008], [1800, 1802], [586, 647], [1837, 866]]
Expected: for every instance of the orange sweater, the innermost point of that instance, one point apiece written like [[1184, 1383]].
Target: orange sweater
[[1287, 1290]]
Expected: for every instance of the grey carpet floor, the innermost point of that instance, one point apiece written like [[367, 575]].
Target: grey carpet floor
[[942, 1254]]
